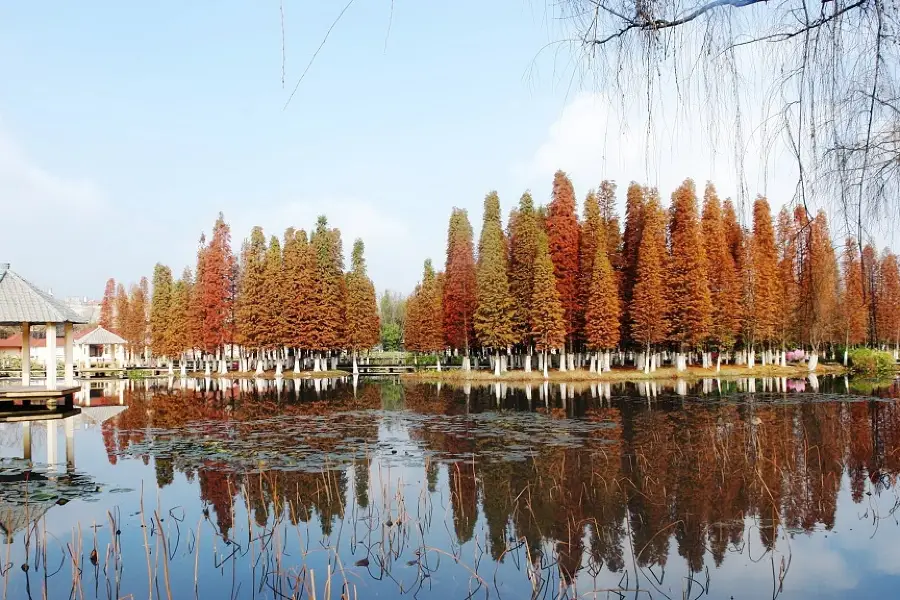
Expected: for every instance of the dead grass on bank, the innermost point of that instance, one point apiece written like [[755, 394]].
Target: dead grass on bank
[[624, 374]]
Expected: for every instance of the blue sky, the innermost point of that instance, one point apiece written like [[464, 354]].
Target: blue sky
[[126, 127]]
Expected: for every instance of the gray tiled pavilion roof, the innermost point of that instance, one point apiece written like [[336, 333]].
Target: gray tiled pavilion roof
[[23, 302], [99, 336]]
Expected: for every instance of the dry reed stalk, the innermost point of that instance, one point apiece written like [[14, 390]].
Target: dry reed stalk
[[146, 546]]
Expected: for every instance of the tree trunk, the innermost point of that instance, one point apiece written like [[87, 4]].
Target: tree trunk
[[640, 360], [527, 364], [562, 361], [278, 368], [813, 361], [593, 366], [356, 367], [497, 364], [751, 358], [571, 361], [544, 362], [466, 365], [438, 363]]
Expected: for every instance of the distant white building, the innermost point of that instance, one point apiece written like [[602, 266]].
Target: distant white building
[[92, 346]]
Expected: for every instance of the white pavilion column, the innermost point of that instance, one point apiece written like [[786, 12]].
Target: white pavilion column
[[26, 440], [51, 441], [69, 425], [51, 356], [26, 354], [70, 359]]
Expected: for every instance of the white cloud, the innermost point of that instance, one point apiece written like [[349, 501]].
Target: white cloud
[[30, 190], [594, 140]]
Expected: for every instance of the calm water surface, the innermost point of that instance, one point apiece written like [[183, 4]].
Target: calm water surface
[[750, 489]]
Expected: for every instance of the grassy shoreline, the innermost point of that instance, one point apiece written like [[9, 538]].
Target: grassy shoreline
[[623, 374]]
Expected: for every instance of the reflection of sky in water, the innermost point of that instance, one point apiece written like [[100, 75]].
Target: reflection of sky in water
[[434, 489]]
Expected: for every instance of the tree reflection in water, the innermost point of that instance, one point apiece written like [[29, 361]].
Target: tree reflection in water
[[545, 492]]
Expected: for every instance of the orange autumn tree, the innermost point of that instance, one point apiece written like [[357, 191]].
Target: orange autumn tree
[[690, 307], [631, 242], [108, 305], [299, 307], [327, 331], [592, 229], [562, 238], [423, 331], [179, 314], [853, 306], [649, 305], [889, 300], [601, 327], [362, 307], [724, 284], [250, 304], [215, 290], [524, 231], [459, 285], [272, 324], [547, 314], [120, 318], [818, 294], [762, 311], [787, 233], [493, 314], [606, 198], [160, 312]]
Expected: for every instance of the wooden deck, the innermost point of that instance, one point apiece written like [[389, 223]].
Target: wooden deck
[[17, 398]]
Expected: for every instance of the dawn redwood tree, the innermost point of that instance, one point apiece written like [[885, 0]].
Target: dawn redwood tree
[[631, 242], [819, 286], [787, 236], [180, 315], [429, 312], [493, 313], [108, 305], [459, 285], [592, 230], [273, 324], [548, 327], [870, 276], [412, 322], [735, 237], [136, 322], [690, 306], [889, 300], [250, 309], [121, 318], [215, 288], [197, 310], [763, 309], [524, 233], [724, 283], [853, 304], [327, 331], [161, 312], [606, 197], [299, 307], [649, 306], [362, 309], [562, 237], [602, 314]]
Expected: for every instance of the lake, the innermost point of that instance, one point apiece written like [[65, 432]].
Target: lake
[[322, 489]]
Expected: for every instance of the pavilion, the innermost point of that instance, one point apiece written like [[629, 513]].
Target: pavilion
[[24, 304]]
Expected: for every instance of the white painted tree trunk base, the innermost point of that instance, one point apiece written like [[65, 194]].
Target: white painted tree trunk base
[[497, 365], [813, 361]]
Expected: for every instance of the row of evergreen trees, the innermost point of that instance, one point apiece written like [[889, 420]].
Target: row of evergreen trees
[[685, 279], [287, 299]]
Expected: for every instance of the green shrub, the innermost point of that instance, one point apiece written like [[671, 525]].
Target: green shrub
[[866, 360]]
